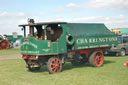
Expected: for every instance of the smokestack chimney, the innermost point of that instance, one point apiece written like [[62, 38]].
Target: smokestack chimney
[[31, 21]]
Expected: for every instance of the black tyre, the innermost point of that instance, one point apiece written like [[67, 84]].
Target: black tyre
[[77, 62], [117, 54], [54, 65], [96, 59], [122, 52]]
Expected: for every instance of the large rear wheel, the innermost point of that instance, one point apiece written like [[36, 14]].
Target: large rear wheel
[[54, 65], [96, 59]]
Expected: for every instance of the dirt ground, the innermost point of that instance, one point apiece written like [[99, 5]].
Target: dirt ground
[[6, 57]]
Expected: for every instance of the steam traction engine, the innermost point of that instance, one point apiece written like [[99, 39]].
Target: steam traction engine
[[54, 43]]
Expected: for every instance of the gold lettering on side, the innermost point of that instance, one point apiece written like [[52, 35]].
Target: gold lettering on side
[[95, 40]]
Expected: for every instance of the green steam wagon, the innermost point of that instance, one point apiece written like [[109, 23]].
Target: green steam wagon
[[54, 43]]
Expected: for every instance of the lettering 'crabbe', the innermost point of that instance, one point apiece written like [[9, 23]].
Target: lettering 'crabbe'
[[95, 40]]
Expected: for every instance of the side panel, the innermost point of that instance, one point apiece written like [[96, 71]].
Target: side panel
[[86, 42], [55, 48], [91, 35], [31, 46], [13, 39], [62, 44]]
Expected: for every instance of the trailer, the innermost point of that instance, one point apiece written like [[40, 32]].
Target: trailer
[[14, 38], [54, 43]]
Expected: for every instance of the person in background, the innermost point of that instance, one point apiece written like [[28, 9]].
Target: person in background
[[5, 37], [17, 43]]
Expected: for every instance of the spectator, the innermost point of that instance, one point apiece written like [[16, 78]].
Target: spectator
[[5, 37], [17, 43]]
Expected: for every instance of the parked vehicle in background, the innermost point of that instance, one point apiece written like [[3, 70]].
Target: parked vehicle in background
[[121, 49], [14, 38], [10, 41], [120, 31]]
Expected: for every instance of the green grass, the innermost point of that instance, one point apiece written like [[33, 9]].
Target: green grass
[[10, 51], [13, 72]]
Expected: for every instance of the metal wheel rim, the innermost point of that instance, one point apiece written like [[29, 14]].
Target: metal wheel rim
[[55, 65], [99, 59], [123, 53]]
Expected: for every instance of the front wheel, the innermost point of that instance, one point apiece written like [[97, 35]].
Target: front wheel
[[96, 59], [54, 65]]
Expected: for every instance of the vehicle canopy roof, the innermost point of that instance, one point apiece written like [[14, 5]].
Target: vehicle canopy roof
[[88, 29], [77, 29], [42, 23]]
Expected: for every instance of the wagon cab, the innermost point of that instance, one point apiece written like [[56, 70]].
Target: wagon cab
[[54, 43], [44, 39]]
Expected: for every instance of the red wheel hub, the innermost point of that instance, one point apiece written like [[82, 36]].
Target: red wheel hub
[[55, 65], [99, 59]]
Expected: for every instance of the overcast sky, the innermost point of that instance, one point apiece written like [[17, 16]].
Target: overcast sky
[[113, 13]]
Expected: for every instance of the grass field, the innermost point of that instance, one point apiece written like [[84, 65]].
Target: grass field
[[10, 51], [13, 72]]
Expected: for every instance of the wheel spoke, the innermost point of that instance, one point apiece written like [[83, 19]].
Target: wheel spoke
[[53, 67], [53, 61], [53, 70], [56, 60], [97, 61], [58, 69], [53, 64]]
